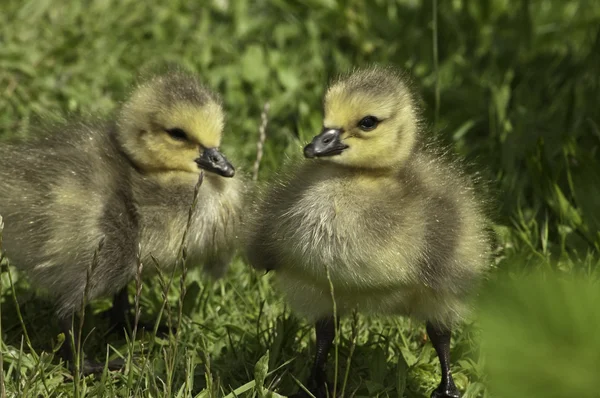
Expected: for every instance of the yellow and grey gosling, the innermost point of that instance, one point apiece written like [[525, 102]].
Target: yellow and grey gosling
[[130, 181], [396, 225]]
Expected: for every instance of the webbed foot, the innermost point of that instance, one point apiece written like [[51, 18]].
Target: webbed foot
[[94, 367], [447, 391]]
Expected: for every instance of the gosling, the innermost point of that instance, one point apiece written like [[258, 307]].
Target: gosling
[[129, 183], [393, 224]]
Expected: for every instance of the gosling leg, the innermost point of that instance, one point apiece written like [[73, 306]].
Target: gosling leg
[[119, 313], [317, 383], [440, 338], [89, 366], [121, 319]]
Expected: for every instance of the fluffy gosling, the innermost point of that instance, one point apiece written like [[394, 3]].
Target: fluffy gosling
[[129, 182], [397, 226]]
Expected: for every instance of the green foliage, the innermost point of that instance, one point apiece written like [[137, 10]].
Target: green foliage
[[539, 334], [518, 81], [518, 88]]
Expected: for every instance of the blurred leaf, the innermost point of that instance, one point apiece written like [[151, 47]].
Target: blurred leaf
[[402, 370], [539, 334], [260, 373], [253, 64], [378, 366]]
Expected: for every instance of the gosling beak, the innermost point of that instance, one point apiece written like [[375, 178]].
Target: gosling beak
[[328, 143], [214, 161]]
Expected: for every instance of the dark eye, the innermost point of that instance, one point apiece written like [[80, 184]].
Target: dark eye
[[368, 123], [177, 134]]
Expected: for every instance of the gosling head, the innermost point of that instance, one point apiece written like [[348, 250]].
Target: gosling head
[[371, 121], [171, 123]]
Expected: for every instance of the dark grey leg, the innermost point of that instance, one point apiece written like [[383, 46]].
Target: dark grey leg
[[119, 314], [440, 338], [66, 350], [317, 383], [121, 319], [88, 367]]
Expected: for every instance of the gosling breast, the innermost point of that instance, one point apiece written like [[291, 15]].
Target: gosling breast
[[411, 243]]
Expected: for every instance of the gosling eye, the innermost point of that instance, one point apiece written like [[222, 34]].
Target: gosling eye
[[177, 134], [368, 123]]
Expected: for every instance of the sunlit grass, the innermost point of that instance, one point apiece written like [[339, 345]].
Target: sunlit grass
[[513, 86]]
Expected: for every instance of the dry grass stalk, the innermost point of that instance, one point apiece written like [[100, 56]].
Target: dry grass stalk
[[260, 145]]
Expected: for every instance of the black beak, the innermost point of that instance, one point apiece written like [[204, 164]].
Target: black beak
[[214, 161], [328, 143]]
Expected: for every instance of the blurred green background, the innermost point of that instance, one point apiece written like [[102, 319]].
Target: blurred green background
[[513, 86]]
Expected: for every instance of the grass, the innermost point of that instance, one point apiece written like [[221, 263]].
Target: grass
[[512, 85]]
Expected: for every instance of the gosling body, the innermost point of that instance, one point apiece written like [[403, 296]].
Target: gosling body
[[213, 231], [59, 196], [389, 242], [128, 183], [383, 217]]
